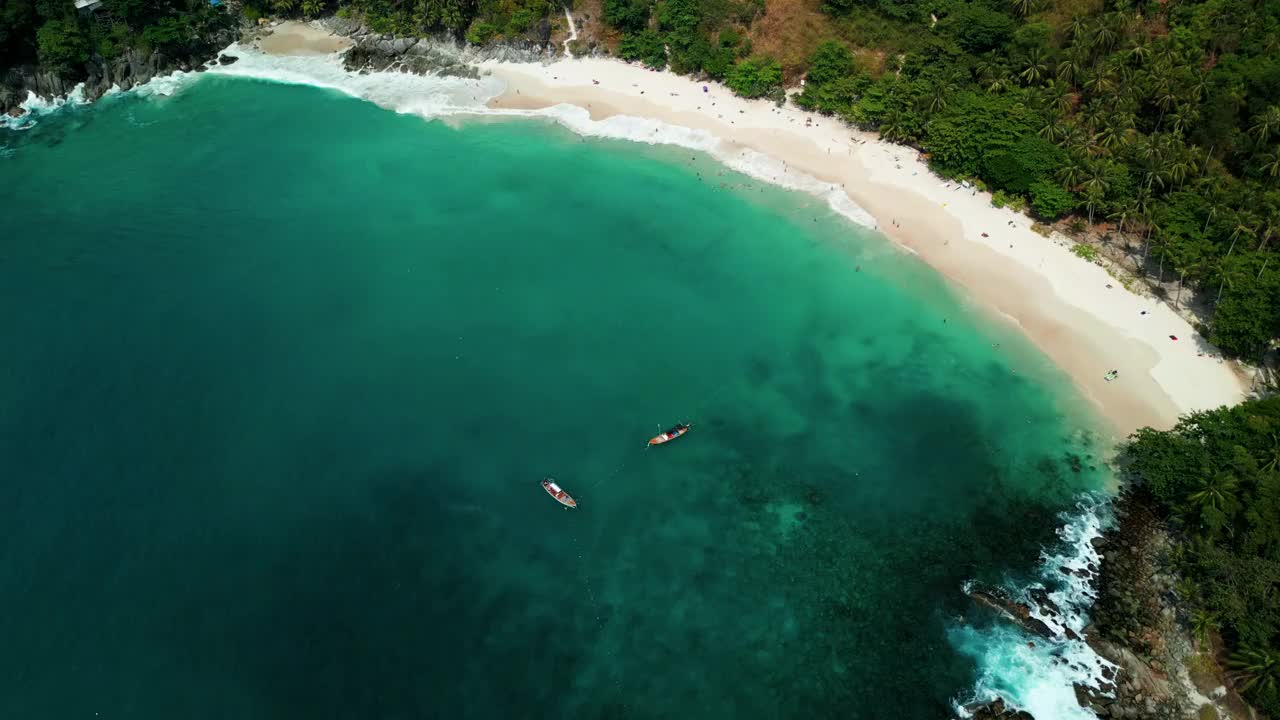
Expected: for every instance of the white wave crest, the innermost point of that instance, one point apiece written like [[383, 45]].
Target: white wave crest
[[165, 85], [438, 97], [35, 107], [434, 96], [430, 96], [1032, 673]]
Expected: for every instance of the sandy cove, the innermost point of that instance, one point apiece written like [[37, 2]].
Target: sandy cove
[[297, 38], [1078, 315]]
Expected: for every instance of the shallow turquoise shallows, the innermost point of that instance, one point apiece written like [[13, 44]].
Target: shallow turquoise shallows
[[282, 372]]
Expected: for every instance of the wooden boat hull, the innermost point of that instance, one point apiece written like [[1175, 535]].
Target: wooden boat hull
[[559, 494], [669, 435]]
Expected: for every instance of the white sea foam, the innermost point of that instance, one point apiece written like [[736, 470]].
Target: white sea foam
[[433, 96], [426, 95], [35, 106], [1040, 679], [166, 85], [438, 97]]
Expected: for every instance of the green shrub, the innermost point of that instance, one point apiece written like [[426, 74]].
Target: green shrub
[[1050, 201], [1026, 161], [62, 44], [481, 32], [1088, 252], [979, 28], [645, 46], [756, 77], [629, 16]]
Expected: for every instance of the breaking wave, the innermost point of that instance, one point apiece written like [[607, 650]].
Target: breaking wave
[[1030, 672], [35, 107], [437, 96]]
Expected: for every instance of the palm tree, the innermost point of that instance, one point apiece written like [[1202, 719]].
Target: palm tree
[[1163, 246], [1265, 124], [1123, 214], [891, 126], [1215, 204], [1203, 624], [1071, 172], [1226, 278], [938, 99], [1058, 94], [1272, 458], [1023, 8], [1165, 95], [1053, 126], [1214, 502], [1246, 224], [1095, 187], [1193, 267], [1271, 163], [1092, 198], [1072, 136], [1182, 117], [1094, 114], [1140, 51], [1199, 85], [1270, 225], [1217, 491], [1069, 67], [1098, 82], [1115, 129], [1104, 36], [1034, 67], [1179, 167], [1257, 668], [1079, 24]]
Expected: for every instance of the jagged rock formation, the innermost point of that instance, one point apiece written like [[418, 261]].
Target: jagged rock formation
[[99, 74], [1018, 612], [438, 54]]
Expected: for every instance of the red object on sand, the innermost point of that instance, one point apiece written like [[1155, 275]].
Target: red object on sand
[[1173, 337]]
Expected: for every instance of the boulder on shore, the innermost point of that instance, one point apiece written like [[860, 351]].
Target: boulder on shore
[[1015, 611], [997, 710]]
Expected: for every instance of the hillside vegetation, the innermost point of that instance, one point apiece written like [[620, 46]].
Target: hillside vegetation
[[1160, 119], [1216, 476]]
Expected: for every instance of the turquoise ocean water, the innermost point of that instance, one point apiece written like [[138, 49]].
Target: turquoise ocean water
[[282, 371]]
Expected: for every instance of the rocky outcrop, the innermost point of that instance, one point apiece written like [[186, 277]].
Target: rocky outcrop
[[1134, 589], [1018, 612], [437, 54], [132, 67], [996, 710]]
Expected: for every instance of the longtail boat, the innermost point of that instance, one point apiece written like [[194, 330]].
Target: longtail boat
[[560, 495], [669, 435]]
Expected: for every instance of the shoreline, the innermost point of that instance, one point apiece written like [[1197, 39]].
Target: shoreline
[[1084, 320], [1072, 310]]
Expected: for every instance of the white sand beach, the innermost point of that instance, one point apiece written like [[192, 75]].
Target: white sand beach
[[1081, 317], [297, 38], [1076, 313]]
